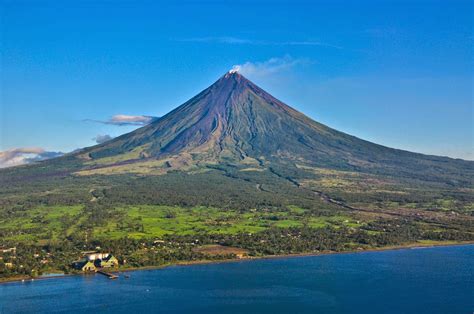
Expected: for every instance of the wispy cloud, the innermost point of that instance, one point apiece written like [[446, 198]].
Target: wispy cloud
[[270, 66], [242, 41], [307, 43], [122, 119], [102, 138], [218, 40], [25, 155]]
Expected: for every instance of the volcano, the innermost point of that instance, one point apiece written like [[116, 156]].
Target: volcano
[[236, 122]]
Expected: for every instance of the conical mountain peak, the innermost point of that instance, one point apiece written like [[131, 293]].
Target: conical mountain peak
[[232, 80], [232, 86], [234, 121]]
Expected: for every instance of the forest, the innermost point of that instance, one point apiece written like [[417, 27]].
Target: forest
[[51, 217]]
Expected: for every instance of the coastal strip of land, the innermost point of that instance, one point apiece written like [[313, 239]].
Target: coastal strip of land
[[415, 245]]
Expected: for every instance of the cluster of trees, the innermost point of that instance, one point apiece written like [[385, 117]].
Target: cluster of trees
[[32, 260], [222, 187]]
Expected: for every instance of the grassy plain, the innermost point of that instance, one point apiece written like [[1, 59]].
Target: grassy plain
[[154, 221]]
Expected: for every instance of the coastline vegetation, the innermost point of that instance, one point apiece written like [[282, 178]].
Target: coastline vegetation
[[148, 221], [153, 235]]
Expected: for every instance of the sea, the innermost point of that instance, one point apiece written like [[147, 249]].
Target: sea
[[416, 280]]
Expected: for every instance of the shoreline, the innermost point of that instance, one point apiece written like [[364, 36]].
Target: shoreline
[[17, 279]]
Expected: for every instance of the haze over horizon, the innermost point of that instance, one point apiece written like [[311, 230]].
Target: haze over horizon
[[75, 79]]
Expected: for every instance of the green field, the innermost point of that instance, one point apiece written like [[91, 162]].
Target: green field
[[155, 221]]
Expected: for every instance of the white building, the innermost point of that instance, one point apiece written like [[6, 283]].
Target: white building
[[95, 256]]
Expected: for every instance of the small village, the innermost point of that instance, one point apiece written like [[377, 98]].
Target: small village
[[8, 259], [104, 262], [10, 252], [91, 261]]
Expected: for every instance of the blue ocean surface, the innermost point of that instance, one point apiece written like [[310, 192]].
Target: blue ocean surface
[[427, 280]]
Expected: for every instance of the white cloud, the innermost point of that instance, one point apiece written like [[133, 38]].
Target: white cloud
[[219, 40], [102, 138], [122, 119], [268, 67], [307, 43], [25, 155], [241, 41], [235, 69]]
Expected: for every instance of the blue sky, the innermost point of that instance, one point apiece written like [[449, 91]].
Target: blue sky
[[399, 73]]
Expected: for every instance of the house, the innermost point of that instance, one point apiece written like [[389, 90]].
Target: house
[[240, 255], [84, 265], [88, 266], [107, 262], [95, 261], [96, 256], [8, 250]]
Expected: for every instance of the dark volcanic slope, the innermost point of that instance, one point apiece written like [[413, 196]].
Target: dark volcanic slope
[[234, 119]]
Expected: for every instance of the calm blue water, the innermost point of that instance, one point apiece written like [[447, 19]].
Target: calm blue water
[[432, 280]]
